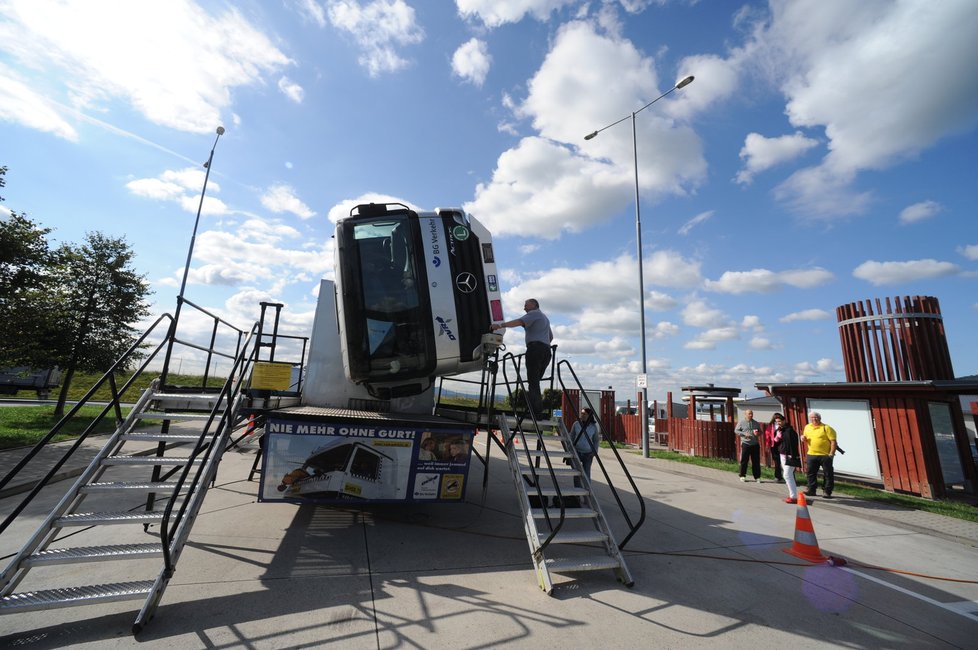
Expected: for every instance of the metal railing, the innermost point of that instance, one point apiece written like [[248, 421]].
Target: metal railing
[[131, 354], [605, 431]]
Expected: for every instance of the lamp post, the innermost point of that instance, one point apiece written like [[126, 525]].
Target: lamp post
[[638, 243], [190, 254]]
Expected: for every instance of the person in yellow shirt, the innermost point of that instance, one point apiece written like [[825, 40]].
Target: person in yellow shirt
[[820, 441]]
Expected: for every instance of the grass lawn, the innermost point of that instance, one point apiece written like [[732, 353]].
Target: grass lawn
[[949, 508], [24, 425]]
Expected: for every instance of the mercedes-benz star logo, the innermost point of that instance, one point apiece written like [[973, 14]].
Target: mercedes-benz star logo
[[466, 282]]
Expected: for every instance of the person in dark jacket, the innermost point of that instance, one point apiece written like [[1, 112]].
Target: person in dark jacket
[[774, 445], [784, 435]]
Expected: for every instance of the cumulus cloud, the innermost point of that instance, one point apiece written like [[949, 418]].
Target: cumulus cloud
[[766, 281], [880, 273], [281, 198], [173, 71], [378, 28], [471, 61], [970, 251], [181, 186], [893, 103], [760, 153], [699, 313], [291, 89], [806, 314], [495, 13], [556, 181], [920, 211]]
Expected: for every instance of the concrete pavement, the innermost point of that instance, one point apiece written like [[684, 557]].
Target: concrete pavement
[[708, 566]]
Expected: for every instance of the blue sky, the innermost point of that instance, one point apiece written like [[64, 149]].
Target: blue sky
[[826, 153]]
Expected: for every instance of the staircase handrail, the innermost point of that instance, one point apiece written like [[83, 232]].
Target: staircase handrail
[[554, 529], [209, 444], [604, 431], [122, 362]]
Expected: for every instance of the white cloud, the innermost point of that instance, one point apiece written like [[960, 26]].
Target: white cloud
[[494, 13], [20, 104], [761, 343], [557, 181], [880, 273], [698, 313], [920, 211], [669, 268], [471, 61], [760, 153], [182, 187], [291, 89], [970, 251], [695, 221], [378, 27], [807, 314], [707, 340], [766, 281], [874, 76], [281, 198], [162, 58]]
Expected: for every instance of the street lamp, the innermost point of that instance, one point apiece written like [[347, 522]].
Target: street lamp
[[190, 253], [638, 242]]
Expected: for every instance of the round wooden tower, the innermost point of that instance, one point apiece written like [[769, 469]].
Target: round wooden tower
[[904, 342]]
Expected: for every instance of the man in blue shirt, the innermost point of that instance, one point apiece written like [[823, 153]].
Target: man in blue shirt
[[539, 336]]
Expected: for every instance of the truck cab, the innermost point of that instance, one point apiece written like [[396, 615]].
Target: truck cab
[[416, 293]]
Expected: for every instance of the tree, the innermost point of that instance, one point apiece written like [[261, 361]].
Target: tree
[[98, 296], [24, 264]]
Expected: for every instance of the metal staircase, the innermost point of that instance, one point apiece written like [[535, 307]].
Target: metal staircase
[[566, 530], [149, 485], [564, 524]]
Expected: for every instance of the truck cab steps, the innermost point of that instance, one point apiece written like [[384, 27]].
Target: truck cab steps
[[128, 486]]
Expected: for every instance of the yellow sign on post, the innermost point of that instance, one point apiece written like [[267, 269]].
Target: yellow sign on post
[[271, 375]]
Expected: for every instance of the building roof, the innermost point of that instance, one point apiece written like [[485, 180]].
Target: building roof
[[955, 386]]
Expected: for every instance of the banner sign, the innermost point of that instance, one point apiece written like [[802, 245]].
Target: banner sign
[[319, 461]]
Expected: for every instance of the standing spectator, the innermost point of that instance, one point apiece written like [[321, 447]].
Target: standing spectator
[[748, 432], [584, 435], [539, 336], [773, 442], [821, 446], [789, 453]]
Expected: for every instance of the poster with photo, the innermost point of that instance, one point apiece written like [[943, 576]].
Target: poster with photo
[[315, 461]]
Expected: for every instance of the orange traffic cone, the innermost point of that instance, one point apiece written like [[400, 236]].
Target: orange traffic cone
[[806, 545], [251, 425]]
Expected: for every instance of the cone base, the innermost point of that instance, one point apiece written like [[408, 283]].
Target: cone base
[[809, 556]]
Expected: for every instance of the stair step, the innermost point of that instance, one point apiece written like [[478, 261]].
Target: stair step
[[108, 518], [540, 453], [71, 596], [178, 461], [569, 513], [161, 437], [138, 486], [94, 554], [183, 415], [559, 470], [582, 537], [564, 491], [571, 565]]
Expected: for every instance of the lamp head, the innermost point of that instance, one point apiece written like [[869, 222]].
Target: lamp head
[[590, 135], [220, 129], [685, 82]]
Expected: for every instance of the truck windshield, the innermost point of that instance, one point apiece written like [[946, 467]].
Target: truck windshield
[[393, 341]]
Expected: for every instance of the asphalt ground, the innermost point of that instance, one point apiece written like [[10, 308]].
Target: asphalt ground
[[708, 565]]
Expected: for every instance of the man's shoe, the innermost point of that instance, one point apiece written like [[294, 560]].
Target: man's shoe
[[790, 500], [743, 478], [810, 494], [828, 495], [757, 480]]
